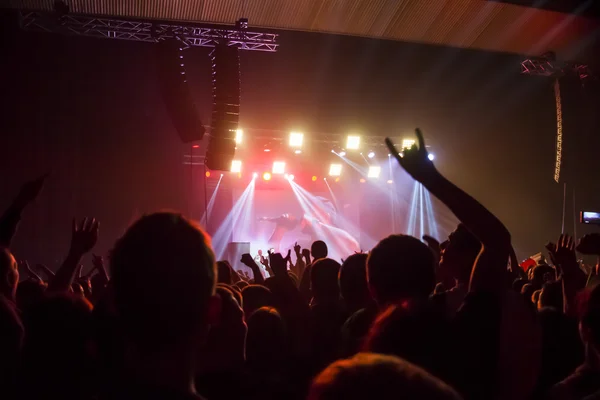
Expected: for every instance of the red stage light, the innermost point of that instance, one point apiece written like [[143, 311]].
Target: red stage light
[[362, 180], [267, 176], [314, 178], [195, 146], [207, 174]]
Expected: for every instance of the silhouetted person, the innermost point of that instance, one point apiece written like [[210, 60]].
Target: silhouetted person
[[255, 297], [318, 250], [353, 282], [163, 272], [376, 376]]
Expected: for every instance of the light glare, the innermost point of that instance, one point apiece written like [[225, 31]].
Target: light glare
[[374, 171], [236, 166], [296, 139], [407, 143], [371, 154], [239, 134], [353, 142], [267, 176], [431, 157], [335, 169], [278, 167], [342, 153]]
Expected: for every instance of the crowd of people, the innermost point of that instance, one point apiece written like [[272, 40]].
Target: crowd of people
[[414, 318]]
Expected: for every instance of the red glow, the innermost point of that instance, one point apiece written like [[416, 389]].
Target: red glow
[[207, 174], [267, 176], [195, 146], [314, 178]]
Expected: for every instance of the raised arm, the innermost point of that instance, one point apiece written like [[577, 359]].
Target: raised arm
[[83, 239], [11, 217], [489, 272], [248, 261]]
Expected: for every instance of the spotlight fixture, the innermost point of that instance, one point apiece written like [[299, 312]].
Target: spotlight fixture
[[290, 178], [298, 152], [362, 180], [353, 142], [207, 174], [390, 181], [335, 169], [278, 167], [407, 143], [239, 134], [236, 166], [267, 176], [314, 178], [296, 139], [431, 157], [255, 175], [371, 154], [342, 153], [374, 171], [337, 179]]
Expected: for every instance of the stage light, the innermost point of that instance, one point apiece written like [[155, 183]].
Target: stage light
[[207, 174], [371, 154], [239, 134], [296, 139], [390, 181], [374, 171], [255, 175], [267, 176], [337, 179], [221, 175], [362, 180], [239, 175], [195, 146], [353, 142], [267, 150], [335, 169], [314, 178], [407, 143], [278, 167], [431, 157], [342, 153], [298, 151], [236, 166], [291, 177]]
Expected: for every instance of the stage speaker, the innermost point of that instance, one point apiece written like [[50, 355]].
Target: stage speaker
[[226, 107], [175, 92], [234, 254]]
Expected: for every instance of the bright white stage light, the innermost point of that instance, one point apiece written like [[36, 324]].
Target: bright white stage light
[[290, 177], [298, 151], [374, 171], [390, 181], [371, 154], [431, 157], [296, 139], [278, 167], [236, 166], [335, 169], [407, 143], [267, 176], [342, 153], [353, 142], [239, 134], [255, 175]]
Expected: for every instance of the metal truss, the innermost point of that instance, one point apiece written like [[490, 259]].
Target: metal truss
[[147, 31], [547, 67]]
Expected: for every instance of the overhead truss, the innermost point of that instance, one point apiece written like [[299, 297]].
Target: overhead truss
[[147, 31]]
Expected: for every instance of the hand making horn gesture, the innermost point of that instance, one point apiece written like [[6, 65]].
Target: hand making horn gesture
[[414, 160]]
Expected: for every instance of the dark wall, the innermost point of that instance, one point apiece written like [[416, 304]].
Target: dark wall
[[89, 110]]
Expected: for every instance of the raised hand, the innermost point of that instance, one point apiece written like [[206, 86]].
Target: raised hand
[[297, 249], [589, 244], [30, 190], [306, 253], [563, 254], [278, 264], [247, 260], [84, 236], [415, 160]]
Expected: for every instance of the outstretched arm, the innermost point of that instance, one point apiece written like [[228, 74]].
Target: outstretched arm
[[83, 239], [489, 271], [248, 261], [11, 217]]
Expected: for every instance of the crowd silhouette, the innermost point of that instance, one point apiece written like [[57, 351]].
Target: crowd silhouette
[[414, 318]]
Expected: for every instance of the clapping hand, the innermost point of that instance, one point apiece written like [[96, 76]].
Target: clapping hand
[[84, 236], [415, 160]]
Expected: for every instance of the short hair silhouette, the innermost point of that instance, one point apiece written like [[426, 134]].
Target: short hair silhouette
[[319, 249]]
